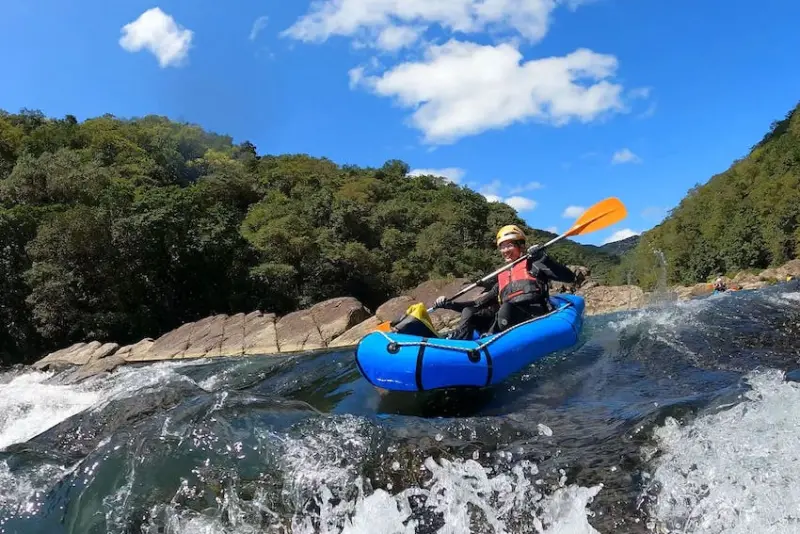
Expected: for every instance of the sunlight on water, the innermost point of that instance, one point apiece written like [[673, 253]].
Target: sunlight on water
[[29, 407], [736, 471]]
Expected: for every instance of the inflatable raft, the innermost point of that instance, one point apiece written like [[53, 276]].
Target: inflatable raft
[[402, 362]]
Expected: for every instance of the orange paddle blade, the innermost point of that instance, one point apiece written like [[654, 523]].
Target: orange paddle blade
[[384, 327], [601, 215]]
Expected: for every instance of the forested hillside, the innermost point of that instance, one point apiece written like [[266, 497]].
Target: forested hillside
[[746, 217], [118, 229]]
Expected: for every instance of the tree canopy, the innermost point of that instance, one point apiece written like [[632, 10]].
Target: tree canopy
[[117, 229], [747, 217]]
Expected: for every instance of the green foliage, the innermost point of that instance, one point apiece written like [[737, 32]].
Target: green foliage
[[119, 229], [748, 217]]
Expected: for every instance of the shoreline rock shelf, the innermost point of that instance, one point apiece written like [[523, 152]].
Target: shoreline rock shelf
[[341, 322]]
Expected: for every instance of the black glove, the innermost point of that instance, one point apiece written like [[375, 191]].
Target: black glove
[[536, 252]]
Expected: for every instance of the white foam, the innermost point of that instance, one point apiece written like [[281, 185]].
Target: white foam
[[736, 471], [29, 405]]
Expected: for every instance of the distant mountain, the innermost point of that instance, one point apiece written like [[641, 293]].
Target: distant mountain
[[618, 248]]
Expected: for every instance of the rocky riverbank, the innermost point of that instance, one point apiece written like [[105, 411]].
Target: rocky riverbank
[[341, 322]]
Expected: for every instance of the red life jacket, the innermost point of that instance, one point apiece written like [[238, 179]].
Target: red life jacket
[[518, 285]]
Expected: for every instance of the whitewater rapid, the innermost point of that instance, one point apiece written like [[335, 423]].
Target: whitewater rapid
[[728, 464]]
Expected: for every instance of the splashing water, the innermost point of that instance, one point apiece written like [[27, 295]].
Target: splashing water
[[670, 419]]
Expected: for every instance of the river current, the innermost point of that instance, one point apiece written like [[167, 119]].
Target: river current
[[682, 417]]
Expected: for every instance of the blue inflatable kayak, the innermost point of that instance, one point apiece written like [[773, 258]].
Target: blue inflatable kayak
[[402, 362]]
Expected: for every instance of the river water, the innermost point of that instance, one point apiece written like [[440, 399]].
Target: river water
[[678, 418]]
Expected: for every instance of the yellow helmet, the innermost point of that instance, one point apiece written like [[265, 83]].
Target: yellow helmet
[[510, 232]]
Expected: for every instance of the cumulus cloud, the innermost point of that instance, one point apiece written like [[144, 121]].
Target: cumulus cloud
[[461, 89], [367, 20], [452, 174], [157, 32], [396, 37], [625, 156], [491, 192], [521, 203], [551, 229], [573, 212], [259, 24], [619, 235]]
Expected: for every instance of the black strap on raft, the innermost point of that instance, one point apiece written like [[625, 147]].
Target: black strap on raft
[[489, 366], [418, 374]]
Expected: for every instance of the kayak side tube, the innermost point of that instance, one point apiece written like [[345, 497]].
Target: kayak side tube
[[402, 362]]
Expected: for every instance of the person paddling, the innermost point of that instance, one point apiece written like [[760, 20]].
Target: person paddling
[[521, 292], [719, 285]]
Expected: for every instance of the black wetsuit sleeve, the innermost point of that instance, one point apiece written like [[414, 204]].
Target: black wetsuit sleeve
[[479, 302], [550, 270]]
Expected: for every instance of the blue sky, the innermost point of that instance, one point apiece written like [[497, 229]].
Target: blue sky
[[549, 105]]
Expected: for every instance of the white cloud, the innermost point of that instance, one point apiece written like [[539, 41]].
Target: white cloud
[[552, 229], [462, 88], [259, 24], [452, 174], [157, 32], [625, 156], [530, 186], [573, 212], [395, 37], [368, 19], [619, 235], [640, 92], [521, 203], [491, 192]]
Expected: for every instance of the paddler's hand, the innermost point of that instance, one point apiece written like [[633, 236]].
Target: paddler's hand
[[536, 252], [440, 302]]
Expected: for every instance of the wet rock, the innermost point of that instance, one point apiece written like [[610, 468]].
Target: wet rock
[[336, 316], [790, 269], [354, 335], [77, 354], [260, 335], [604, 299], [233, 336], [105, 365], [137, 351], [394, 308], [297, 331], [696, 290], [167, 346], [205, 338]]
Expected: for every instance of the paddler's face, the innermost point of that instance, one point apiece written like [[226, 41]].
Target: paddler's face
[[510, 251]]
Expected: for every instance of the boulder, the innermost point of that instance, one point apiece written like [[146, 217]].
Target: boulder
[[354, 335], [604, 299], [260, 335], [394, 308], [204, 339], [168, 346], [336, 316], [581, 274], [137, 351], [788, 269], [297, 331], [233, 336], [77, 354], [105, 365]]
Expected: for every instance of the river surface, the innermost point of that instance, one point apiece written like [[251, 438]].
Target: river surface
[[679, 418]]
